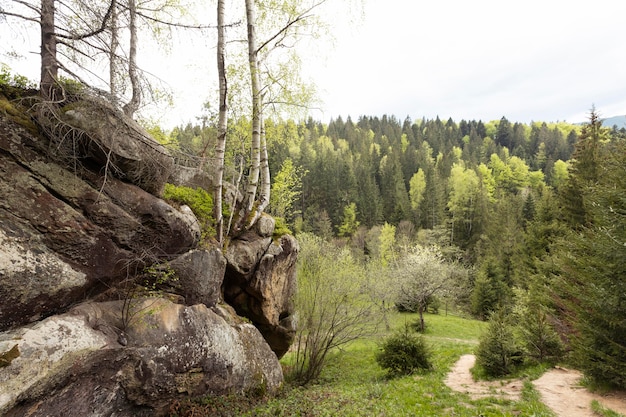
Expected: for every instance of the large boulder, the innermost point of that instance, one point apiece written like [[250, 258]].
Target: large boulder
[[198, 276], [151, 323], [107, 138], [64, 237], [73, 364], [260, 282]]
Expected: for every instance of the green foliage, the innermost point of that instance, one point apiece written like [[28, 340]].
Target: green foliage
[[8, 79], [158, 275], [286, 190], [71, 86], [281, 228], [350, 223], [535, 329], [333, 303], [490, 289], [159, 134], [590, 260], [404, 353], [498, 351], [602, 411], [198, 200], [386, 244], [417, 188]]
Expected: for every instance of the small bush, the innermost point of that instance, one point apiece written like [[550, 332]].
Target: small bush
[[281, 228], [404, 353]]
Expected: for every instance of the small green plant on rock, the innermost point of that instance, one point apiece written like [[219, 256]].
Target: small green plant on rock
[[198, 200], [404, 353]]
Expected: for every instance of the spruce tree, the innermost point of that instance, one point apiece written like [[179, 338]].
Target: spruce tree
[[592, 261]]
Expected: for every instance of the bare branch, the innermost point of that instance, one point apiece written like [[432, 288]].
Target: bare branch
[[302, 16], [19, 16], [95, 32]]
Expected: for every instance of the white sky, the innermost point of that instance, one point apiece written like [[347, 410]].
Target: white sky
[[530, 60], [482, 59]]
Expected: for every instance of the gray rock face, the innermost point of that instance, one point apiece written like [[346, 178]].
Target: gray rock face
[[199, 276], [171, 349], [260, 282], [114, 141], [73, 237], [63, 236]]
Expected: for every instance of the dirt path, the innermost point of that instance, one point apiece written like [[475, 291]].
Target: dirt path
[[460, 379], [559, 389]]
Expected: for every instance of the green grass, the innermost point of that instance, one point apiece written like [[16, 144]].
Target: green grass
[[352, 384], [600, 410]]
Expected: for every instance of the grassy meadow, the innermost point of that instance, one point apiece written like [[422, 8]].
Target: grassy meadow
[[352, 383]]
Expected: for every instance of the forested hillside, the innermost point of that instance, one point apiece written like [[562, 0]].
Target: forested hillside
[[525, 215], [345, 178]]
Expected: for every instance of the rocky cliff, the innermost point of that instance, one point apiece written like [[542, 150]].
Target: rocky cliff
[[108, 304]]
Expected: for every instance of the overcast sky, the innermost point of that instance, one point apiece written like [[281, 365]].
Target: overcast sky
[[483, 59], [530, 60]]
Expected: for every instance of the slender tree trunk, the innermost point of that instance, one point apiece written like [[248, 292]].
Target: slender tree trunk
[[266, 184], [255, 158], [264, 193], [49, 64], [133, 105], [222, 124], [115, 43], [259, 164]]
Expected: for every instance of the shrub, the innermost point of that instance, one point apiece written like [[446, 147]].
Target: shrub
[[498, 351], [404, 353], [281, 228]]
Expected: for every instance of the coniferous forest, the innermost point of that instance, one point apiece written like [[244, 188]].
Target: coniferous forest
[[531, 217]]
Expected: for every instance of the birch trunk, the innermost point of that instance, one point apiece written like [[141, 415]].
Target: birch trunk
[[114, 45], [255, 81], [133, 105], [49, 64], [221, 125]]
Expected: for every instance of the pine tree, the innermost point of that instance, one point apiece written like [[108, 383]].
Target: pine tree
[[584, 170], [592, 262], [498, 351]]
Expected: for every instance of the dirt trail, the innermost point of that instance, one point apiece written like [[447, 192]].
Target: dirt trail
[[559, 389], [460, 379]]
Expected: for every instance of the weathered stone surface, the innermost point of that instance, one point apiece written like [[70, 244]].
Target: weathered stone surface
[[63, 238], [265, 226], [48, 350], [264, 294], [192, 177], [199, 275], [171, 349], [245, 253], [119, 143], [70, 235]]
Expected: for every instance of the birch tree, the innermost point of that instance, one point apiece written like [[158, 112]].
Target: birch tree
[[263, 85], [222, 124]]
